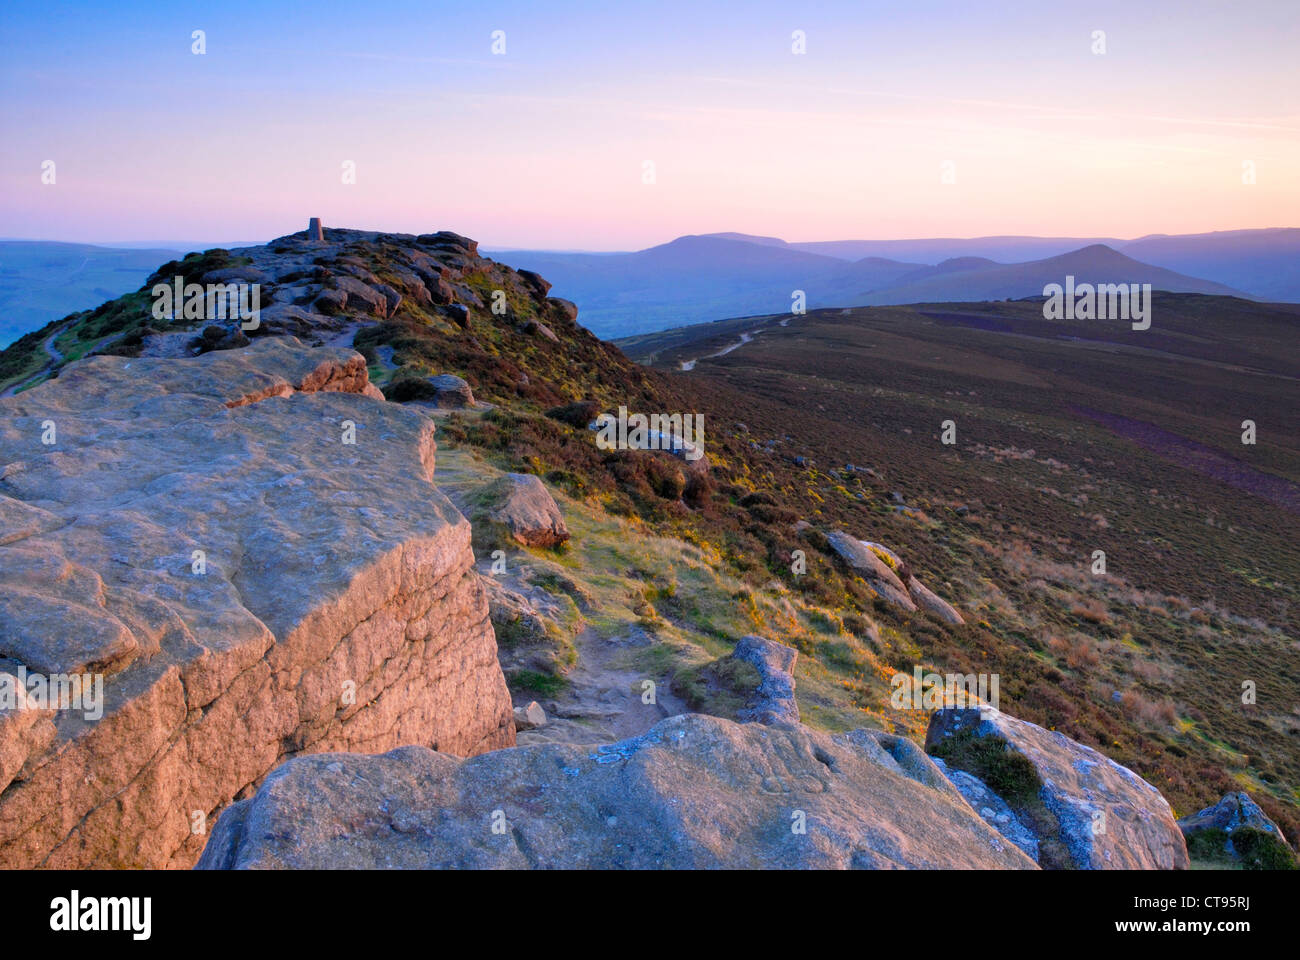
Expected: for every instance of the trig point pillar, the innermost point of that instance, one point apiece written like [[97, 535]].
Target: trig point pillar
[[315, 233]]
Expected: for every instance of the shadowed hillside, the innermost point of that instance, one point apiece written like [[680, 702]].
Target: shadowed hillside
[[975, 278]]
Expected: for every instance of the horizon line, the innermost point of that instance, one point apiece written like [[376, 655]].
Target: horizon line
[[721, 234]]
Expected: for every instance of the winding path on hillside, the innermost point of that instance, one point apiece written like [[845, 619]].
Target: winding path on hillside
[[744, 339], [602, 698], [55, 356]]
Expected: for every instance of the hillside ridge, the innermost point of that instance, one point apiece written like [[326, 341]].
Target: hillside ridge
[[665, 565]]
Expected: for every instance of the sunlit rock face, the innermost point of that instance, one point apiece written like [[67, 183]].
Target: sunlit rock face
[[249, 549]]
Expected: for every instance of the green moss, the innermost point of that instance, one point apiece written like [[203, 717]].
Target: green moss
[[515, 633], [1209, 847]]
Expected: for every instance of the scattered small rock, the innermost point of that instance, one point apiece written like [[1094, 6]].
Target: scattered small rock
[[530, 717], [537, 328], [451, 391], [520, 503]]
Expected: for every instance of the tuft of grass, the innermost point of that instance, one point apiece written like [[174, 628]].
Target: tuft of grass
[[1254, 850], [720, 688], [1009, 774], [1260, 850], [533, 681]]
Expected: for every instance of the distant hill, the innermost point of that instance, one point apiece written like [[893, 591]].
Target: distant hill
[[751, 238], [688, 280], [933, 251], [973, 278], [701, 278], [697, 279], [1265, 262]]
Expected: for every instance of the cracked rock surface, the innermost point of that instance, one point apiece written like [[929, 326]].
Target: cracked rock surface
[[250, 585]]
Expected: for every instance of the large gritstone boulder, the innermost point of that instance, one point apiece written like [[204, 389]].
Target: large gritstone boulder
[[1085, 810], [247, 550], [694, 792], [874, 571]]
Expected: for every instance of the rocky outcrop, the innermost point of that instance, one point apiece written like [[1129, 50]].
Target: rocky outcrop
[[773, 701], [868, 564], [520, 505], [1098, 814], [693, 792], [931, 602], [320, 284], [1235, 810], [1233, 830], [248, 547]]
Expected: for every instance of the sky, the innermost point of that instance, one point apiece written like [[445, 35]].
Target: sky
[[915, 119]]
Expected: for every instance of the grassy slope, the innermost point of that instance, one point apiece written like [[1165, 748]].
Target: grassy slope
[[1201, 593], [680, 593]]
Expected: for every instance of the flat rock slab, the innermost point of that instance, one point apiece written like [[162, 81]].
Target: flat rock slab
[[874, 571], [694, 792], [249, 547]]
